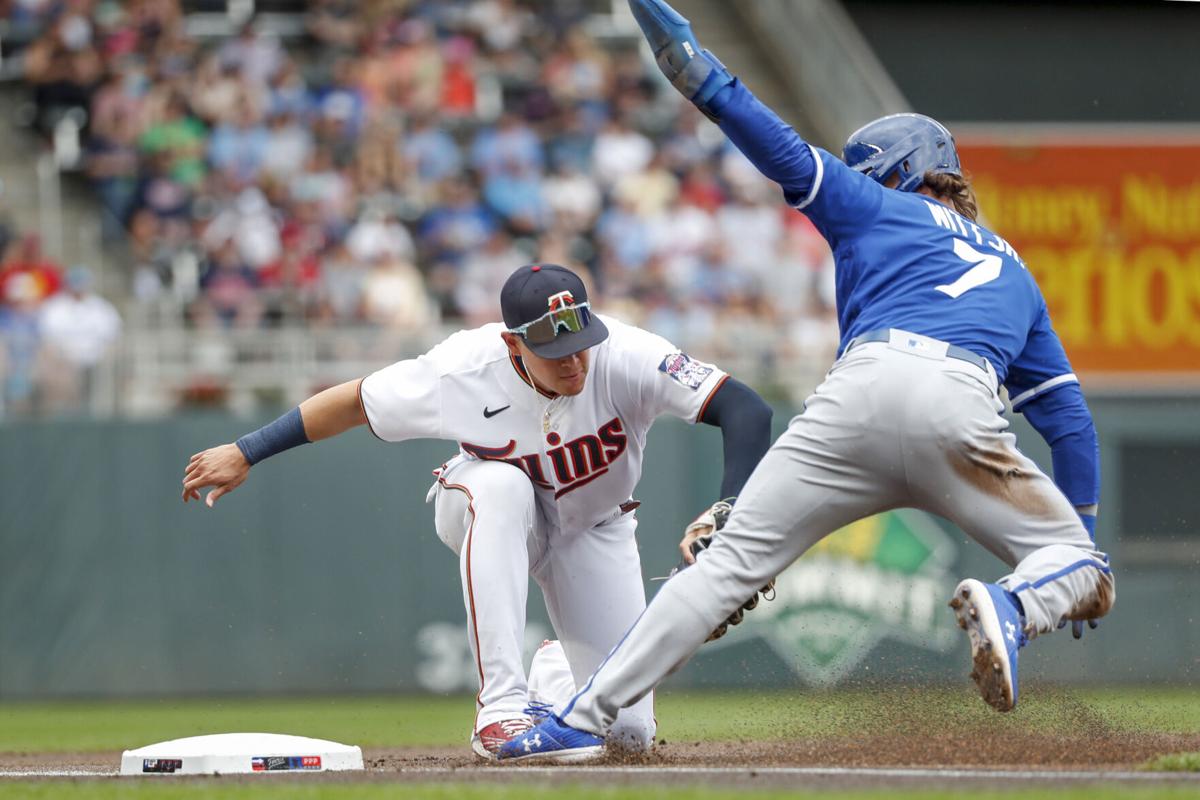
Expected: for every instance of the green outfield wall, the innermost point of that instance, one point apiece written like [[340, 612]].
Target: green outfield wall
[[323, 573]]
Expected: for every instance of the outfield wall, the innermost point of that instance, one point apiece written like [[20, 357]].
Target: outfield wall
[[323, 574]]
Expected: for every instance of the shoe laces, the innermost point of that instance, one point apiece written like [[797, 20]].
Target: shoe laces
[[539, 711]]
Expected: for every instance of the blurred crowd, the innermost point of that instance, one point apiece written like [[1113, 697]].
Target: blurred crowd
[[391, 167]]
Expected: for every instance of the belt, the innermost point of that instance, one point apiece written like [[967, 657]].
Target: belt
[[954, 351]]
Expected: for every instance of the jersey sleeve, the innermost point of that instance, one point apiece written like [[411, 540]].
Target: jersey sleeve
[[843, 202], [661, 379], [836, 198], [404, 401], [1041, 367]]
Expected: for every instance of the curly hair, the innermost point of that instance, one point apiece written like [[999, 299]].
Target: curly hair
[[956, 189]]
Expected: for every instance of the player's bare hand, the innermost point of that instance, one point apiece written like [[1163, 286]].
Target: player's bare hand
[[224, 468], [693, 532]]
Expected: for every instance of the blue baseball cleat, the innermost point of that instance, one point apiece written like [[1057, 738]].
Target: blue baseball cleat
[[997, 631], [554, 741], [695, 72]]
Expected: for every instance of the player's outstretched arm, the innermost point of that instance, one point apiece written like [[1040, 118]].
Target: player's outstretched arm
[[745, 422], [771, 144], [226, 466]]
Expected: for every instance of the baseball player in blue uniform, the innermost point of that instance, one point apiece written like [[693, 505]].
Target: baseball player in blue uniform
[[936, 314]]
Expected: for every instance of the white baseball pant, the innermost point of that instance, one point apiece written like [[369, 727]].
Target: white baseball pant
[[487, 513]]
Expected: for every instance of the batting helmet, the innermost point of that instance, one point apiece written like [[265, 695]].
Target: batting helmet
[[905, 144]]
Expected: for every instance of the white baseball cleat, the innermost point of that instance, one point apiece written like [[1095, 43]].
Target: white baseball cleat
[[488, 740]]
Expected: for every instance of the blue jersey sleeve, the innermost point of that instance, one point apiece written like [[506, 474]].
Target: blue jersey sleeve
[[814, 181], [1041, 367], [1065, 422]]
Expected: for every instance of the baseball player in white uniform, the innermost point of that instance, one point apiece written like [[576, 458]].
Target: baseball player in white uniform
[[550, 411]]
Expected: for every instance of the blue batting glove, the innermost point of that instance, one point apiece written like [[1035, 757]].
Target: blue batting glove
[[695, 72], [1089, 522], [1077, 626]]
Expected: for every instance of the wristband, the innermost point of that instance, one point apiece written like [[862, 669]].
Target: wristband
[[274, 437]]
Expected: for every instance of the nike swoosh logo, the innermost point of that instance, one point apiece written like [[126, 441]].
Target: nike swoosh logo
[[489, 414]]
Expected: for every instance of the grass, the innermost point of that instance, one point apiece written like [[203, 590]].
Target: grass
[[397, 721], [203, 789], [1175, 762]]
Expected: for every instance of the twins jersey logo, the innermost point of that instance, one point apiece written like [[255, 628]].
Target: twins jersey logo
[[575, 463]]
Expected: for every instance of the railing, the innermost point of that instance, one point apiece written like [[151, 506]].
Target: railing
[[158, 372]]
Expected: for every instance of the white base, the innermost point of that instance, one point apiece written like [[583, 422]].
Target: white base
[[233, 753]]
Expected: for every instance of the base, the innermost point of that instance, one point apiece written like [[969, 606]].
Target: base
[[235, 753]]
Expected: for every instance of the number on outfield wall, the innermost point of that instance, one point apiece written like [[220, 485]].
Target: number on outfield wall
[[985, 270]]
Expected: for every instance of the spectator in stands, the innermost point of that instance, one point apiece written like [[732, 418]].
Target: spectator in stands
[[111, 161], [229, 291], [249, 225], [619, 151], [180, 139], [458, 95], [27, 274], [63, 66], [572, 198], [256, 57], [289, 144], [20, 341], [458, 225], [342, 280], [514, 194], [509, 145], [78, 329], [215, 89], [394, 295], [238, 147], [430, 152], [481, 277]]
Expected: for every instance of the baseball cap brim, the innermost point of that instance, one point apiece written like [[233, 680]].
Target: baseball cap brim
[[566, 344]]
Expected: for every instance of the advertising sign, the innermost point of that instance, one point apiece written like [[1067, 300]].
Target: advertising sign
[[1109, 223]]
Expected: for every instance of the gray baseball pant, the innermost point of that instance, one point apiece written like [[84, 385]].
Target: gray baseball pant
[[886, 429]]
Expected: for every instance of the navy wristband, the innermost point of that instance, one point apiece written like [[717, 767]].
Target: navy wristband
[[275, 437]]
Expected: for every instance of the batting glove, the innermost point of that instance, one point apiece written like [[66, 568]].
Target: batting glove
[[695, 72]]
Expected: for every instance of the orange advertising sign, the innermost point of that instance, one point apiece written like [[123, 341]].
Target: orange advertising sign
[[1111, 230]]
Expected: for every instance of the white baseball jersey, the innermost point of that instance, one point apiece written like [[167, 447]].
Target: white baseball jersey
[[583, 453]]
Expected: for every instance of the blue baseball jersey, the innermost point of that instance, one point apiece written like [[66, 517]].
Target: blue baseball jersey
[[904, 260]]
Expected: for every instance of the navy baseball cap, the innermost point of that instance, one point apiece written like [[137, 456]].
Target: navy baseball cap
[[547, 305]]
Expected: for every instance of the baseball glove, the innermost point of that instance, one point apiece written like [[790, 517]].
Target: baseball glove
[[703, 529]]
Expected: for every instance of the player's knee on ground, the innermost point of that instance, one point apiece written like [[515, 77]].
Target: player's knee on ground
[[633, 731], [550, 678]]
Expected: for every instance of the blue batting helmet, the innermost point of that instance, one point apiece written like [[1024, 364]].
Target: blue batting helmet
[[908, 145]]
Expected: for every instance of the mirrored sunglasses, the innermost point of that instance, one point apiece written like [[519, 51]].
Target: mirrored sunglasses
[[544, 329]]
